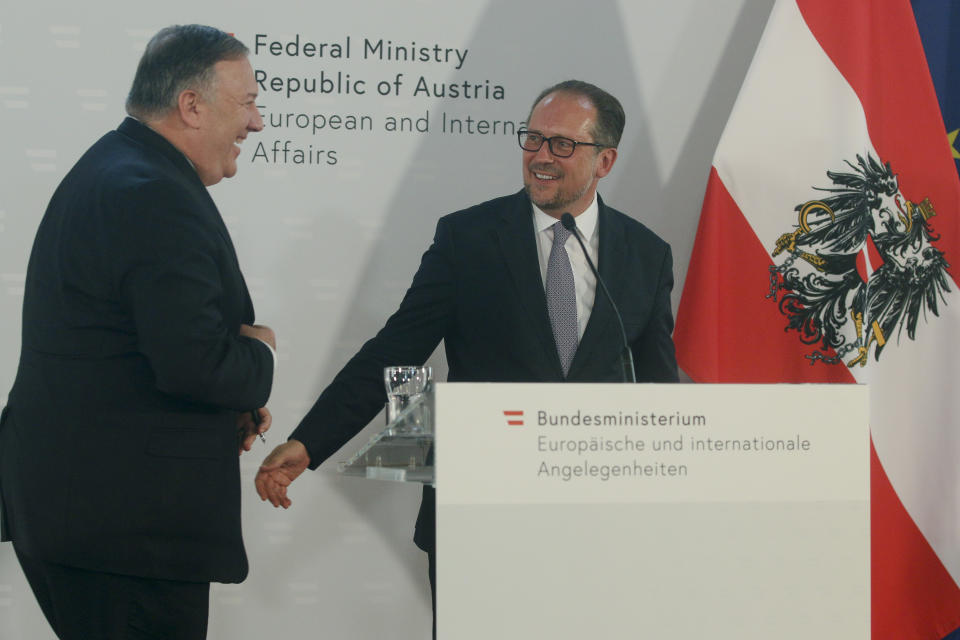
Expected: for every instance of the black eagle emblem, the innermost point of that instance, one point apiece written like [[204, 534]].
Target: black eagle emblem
[[860, 267]]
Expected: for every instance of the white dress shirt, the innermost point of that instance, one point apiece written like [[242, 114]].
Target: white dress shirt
[[585, 284]]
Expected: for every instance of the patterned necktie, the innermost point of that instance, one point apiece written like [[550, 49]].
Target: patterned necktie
[[562, 298]]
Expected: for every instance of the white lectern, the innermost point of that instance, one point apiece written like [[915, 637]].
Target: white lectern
[[645, 511]]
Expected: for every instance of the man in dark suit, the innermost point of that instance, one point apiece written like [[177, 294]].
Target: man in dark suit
[[499, 294], [140, 363]]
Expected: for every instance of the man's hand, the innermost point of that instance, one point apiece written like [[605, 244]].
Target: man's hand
[[279, 469], [260, 332], [248, 429]]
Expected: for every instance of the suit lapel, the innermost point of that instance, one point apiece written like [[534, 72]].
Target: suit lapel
[[518, 244], [149, 138], [611, 261]]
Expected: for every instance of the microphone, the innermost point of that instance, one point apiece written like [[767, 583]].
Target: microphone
[[626, 356]]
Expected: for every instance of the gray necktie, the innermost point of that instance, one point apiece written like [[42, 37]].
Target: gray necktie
[[562, 298]]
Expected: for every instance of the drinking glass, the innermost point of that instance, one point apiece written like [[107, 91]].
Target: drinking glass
[[404, 384]]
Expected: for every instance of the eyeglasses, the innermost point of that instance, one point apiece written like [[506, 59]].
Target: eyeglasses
[[558, 145]]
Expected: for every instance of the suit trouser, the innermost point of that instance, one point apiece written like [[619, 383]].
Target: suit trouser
[[90, 605]]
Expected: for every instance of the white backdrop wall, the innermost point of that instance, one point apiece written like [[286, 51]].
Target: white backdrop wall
[[329, 246]]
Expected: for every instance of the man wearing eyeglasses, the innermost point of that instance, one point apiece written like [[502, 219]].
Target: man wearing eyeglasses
[[510, 303]]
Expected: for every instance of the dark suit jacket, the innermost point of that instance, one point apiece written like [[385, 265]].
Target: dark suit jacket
[[118, 445], [479, 289]]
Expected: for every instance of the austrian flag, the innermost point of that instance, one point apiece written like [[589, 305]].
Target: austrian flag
[[826, 252]]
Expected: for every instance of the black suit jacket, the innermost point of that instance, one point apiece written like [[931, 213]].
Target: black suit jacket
[[479, 289], [118, 445]]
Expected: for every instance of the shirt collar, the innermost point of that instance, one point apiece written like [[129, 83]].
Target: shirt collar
[[586, 221]]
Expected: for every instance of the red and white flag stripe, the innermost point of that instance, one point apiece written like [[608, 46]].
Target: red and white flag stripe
[[832, 81]]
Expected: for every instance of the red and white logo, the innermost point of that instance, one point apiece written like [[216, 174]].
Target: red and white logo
[[514, 418]]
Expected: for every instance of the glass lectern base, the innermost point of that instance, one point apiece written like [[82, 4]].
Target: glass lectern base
[[403, 451]]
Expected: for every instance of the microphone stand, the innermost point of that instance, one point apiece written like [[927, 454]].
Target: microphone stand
[[626, 356]]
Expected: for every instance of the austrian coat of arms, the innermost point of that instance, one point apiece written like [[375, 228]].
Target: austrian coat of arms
[[860, 268]]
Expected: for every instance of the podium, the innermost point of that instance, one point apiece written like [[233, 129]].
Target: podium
[[634, 511]]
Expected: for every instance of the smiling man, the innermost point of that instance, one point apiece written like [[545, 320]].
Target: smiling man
[[140, 364], [555, 176], [509, 291]]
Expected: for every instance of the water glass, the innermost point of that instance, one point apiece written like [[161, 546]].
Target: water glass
[[404, 385]]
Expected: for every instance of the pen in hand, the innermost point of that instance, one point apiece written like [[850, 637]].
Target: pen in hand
[[256, 421]]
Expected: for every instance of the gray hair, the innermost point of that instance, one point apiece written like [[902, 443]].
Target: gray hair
[[178, 58], [610, 116]]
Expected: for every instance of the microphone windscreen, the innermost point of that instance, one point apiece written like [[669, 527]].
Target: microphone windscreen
[[568, 222]]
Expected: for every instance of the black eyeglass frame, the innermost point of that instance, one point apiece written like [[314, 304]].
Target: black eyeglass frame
[[576, 143]]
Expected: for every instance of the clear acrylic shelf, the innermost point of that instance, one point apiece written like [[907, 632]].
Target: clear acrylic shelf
[[403, 451]]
